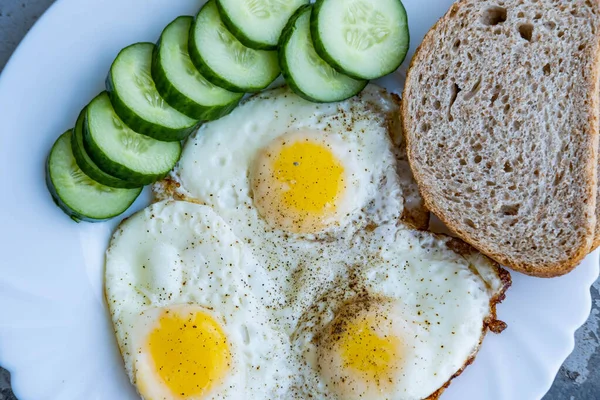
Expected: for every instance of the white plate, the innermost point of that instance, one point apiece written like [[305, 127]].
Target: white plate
[[55, 334]]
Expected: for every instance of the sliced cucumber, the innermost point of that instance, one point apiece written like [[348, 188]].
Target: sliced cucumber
[[306, 73], [121, 152], [180, 83], [257, 23], [80, 197], [363, 39], [223, 60], [136, 100], [87, 165]]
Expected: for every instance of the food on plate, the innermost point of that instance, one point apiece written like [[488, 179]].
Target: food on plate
[[196, 317], [121, 152], [136, 100], [281, 165], [257, 23], [304, 71], [500, 111], [401, 324], [294, 179], [201, 68], [187, 320], [223, 60], [362, 39], [78, 195], [282, 259], [87, 165], [180, 83]]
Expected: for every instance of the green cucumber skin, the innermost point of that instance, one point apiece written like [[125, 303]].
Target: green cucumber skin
[[322, 52], [239, 35], [92, 170], [207, 72], [180, 101], [139, 124], [287, 33], [112, 168], [74, 215]]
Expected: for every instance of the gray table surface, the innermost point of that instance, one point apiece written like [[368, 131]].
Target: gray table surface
[[578, 379]]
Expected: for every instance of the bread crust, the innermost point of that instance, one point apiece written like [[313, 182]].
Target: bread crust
[[547, 269]]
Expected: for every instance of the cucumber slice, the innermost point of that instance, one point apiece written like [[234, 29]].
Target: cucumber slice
[[363, 39], [223, 60], [121, 152], [80, 197], [136, 100], [180, 83], [257, 23], [305, 72], [87, 165]]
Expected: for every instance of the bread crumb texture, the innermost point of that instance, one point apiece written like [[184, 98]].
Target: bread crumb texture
[[501, 111]]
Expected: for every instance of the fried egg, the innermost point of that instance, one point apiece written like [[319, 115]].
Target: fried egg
[[195, 315], [283, 166], [319, 201], [401, 323], [185, 298]]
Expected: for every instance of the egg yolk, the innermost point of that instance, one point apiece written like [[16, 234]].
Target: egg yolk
[[297, 184], [368, 353], [190, 353], [312, 175], [361, 353]]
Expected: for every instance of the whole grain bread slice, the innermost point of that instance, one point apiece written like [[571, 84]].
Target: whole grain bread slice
[[500, 113]]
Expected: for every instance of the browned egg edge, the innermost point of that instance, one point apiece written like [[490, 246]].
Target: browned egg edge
[[491, 322]]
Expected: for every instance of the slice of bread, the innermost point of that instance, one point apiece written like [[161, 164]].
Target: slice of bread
[[500, 112]]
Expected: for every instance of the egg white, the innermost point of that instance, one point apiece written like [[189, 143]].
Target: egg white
[[362, 260], [216, 169], [178, 254], [434, 299], [216, 164]]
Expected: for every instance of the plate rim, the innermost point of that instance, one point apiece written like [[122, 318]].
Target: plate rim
[[58, 5]]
